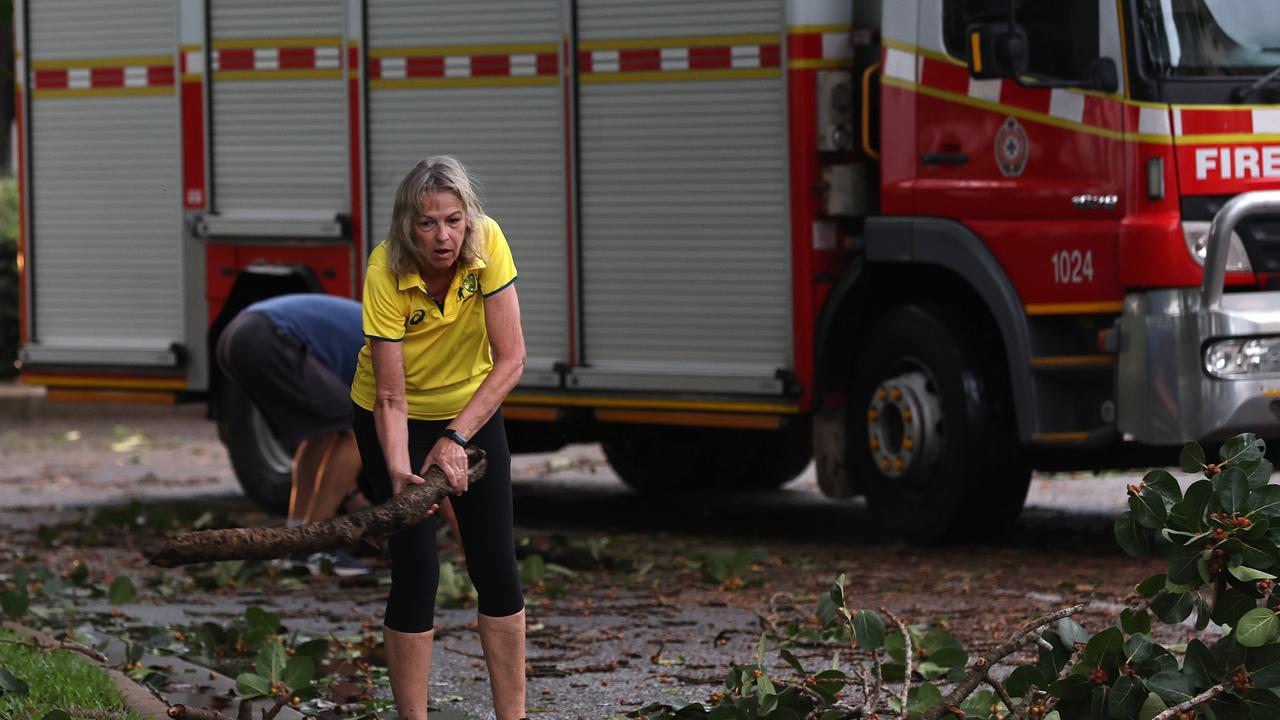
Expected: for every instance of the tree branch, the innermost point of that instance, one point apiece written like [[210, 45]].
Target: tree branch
[[402, 511], [978, 671], [1200, 699], [1004, 695], [182, 712]]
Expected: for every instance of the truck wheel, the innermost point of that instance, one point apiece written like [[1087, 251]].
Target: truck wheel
[[262, 462], [673, 460], [930, 431]]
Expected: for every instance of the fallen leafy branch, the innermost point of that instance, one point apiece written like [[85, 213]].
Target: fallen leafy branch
[[400, 512]]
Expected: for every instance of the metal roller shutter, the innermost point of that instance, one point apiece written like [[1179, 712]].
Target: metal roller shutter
[[279, 108], [487, 90], [106, 224], [686, 270]]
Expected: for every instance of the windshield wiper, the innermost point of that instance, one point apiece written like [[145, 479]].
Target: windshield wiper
[[1241, 93]]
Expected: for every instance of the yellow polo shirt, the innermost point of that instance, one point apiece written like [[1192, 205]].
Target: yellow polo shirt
[[446, 352]]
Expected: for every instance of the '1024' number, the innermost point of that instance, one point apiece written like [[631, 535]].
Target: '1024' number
[[1072, 267]]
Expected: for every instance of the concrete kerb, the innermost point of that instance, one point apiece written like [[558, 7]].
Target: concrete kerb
[[144, 701], [21, 402]]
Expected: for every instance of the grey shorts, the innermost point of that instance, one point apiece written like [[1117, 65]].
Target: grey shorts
[[299, 396]]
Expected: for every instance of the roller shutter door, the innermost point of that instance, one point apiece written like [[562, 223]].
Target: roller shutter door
[[106, 225], [686, 270], [480, 80], [279, 108]]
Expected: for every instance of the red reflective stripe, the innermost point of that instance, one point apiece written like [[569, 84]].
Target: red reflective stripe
[[297, 58], [548, 64], [424, 67], [710, 58], [945, 76], [1035, 100], [237, 59], [375, 68], [106, 77], [50, 79], [1213, 122], [804, 46], [639, 60], [584, 62], [490, 65], [160, 75], [770, 56]]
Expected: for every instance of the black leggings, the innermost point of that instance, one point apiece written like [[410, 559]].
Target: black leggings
[[484, 518]]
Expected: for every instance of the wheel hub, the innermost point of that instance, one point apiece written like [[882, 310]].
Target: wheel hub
[[902, 417]]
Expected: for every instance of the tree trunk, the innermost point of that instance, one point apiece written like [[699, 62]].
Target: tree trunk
[[402, 511]]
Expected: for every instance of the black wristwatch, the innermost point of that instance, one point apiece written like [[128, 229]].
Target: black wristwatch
[[455, 436]]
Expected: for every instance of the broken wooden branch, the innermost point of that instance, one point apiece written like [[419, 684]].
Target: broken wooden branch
[[402, 511], [182, 712]]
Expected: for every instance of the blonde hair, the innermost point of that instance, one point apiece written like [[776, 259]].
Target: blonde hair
[[435, 174]]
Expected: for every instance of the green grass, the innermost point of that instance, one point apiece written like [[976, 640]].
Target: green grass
[[59, 681]]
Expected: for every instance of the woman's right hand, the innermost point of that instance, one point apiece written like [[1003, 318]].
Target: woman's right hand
[[402, 480]]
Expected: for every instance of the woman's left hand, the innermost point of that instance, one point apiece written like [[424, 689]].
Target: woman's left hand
[[452, 460]]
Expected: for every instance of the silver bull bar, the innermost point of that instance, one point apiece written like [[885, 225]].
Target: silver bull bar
[[1165, 393]]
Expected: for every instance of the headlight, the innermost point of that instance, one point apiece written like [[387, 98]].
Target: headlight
[[1197, 236], [1252, 357]]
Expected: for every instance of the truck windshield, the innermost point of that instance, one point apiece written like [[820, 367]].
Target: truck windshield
[[1210, 38]]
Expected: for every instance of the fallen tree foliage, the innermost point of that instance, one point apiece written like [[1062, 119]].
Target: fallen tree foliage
[[402, 511]]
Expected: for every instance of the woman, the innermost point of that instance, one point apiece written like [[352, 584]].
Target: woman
[[443, 349]]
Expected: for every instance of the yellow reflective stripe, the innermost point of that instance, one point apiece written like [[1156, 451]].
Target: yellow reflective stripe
[[277, 74], [282, 42], [679, 42], [450, 50], [651, 403], [105, 382], [65, 93], [1081, 308], [680, 75], [805, 29], [102, 62], [485, 81], [1227, 138], [815, 64]]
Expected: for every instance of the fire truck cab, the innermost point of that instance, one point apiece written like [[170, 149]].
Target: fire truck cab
[[931, 244]]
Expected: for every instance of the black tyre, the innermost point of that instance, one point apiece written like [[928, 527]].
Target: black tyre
[[931, 435], [262, 461], [672, 460]]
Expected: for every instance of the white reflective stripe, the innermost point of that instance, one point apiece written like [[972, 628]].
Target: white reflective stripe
[[457, 66], [195, 61], [836, 45], [266, 59], [78, 78], [393, 67], [216, 59], [328, 57], [604, 61], [1266, 121], [745, 56], [19, 68], [135, 76], [1177, 123], [988, 90], [524, 64], [1066, 105], [675, 58], [900, 65], [1153, 121]]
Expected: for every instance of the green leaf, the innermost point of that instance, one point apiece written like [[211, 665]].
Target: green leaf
[[14, 602], [1072, 633], [1021, 680], [11, 684], [56, 715], [1230, 605], [1131, 537], [1182, 563], [1257, 628], [122, 590], [1104, 647], [868, 629], [1248, 574], [1152, 707], [1233, 491], [314, 649], [1126, 697], [271, 661], [1242, 448], [1201, 666], [1191, 459], [1228, 707], [791, 660], [1135, 621], [1148, 510], [262, 621], [1071, 687], [1152, 585], [1265, 501], [1172, 687], [251, 685], [1263, 664], [1162, 484], [298, 672], [1189, 514], [1260, 474], [1137, 649], [1263, 704], [923, 697]]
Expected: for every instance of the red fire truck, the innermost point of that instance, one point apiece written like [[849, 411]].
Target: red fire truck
[[933, 244]]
